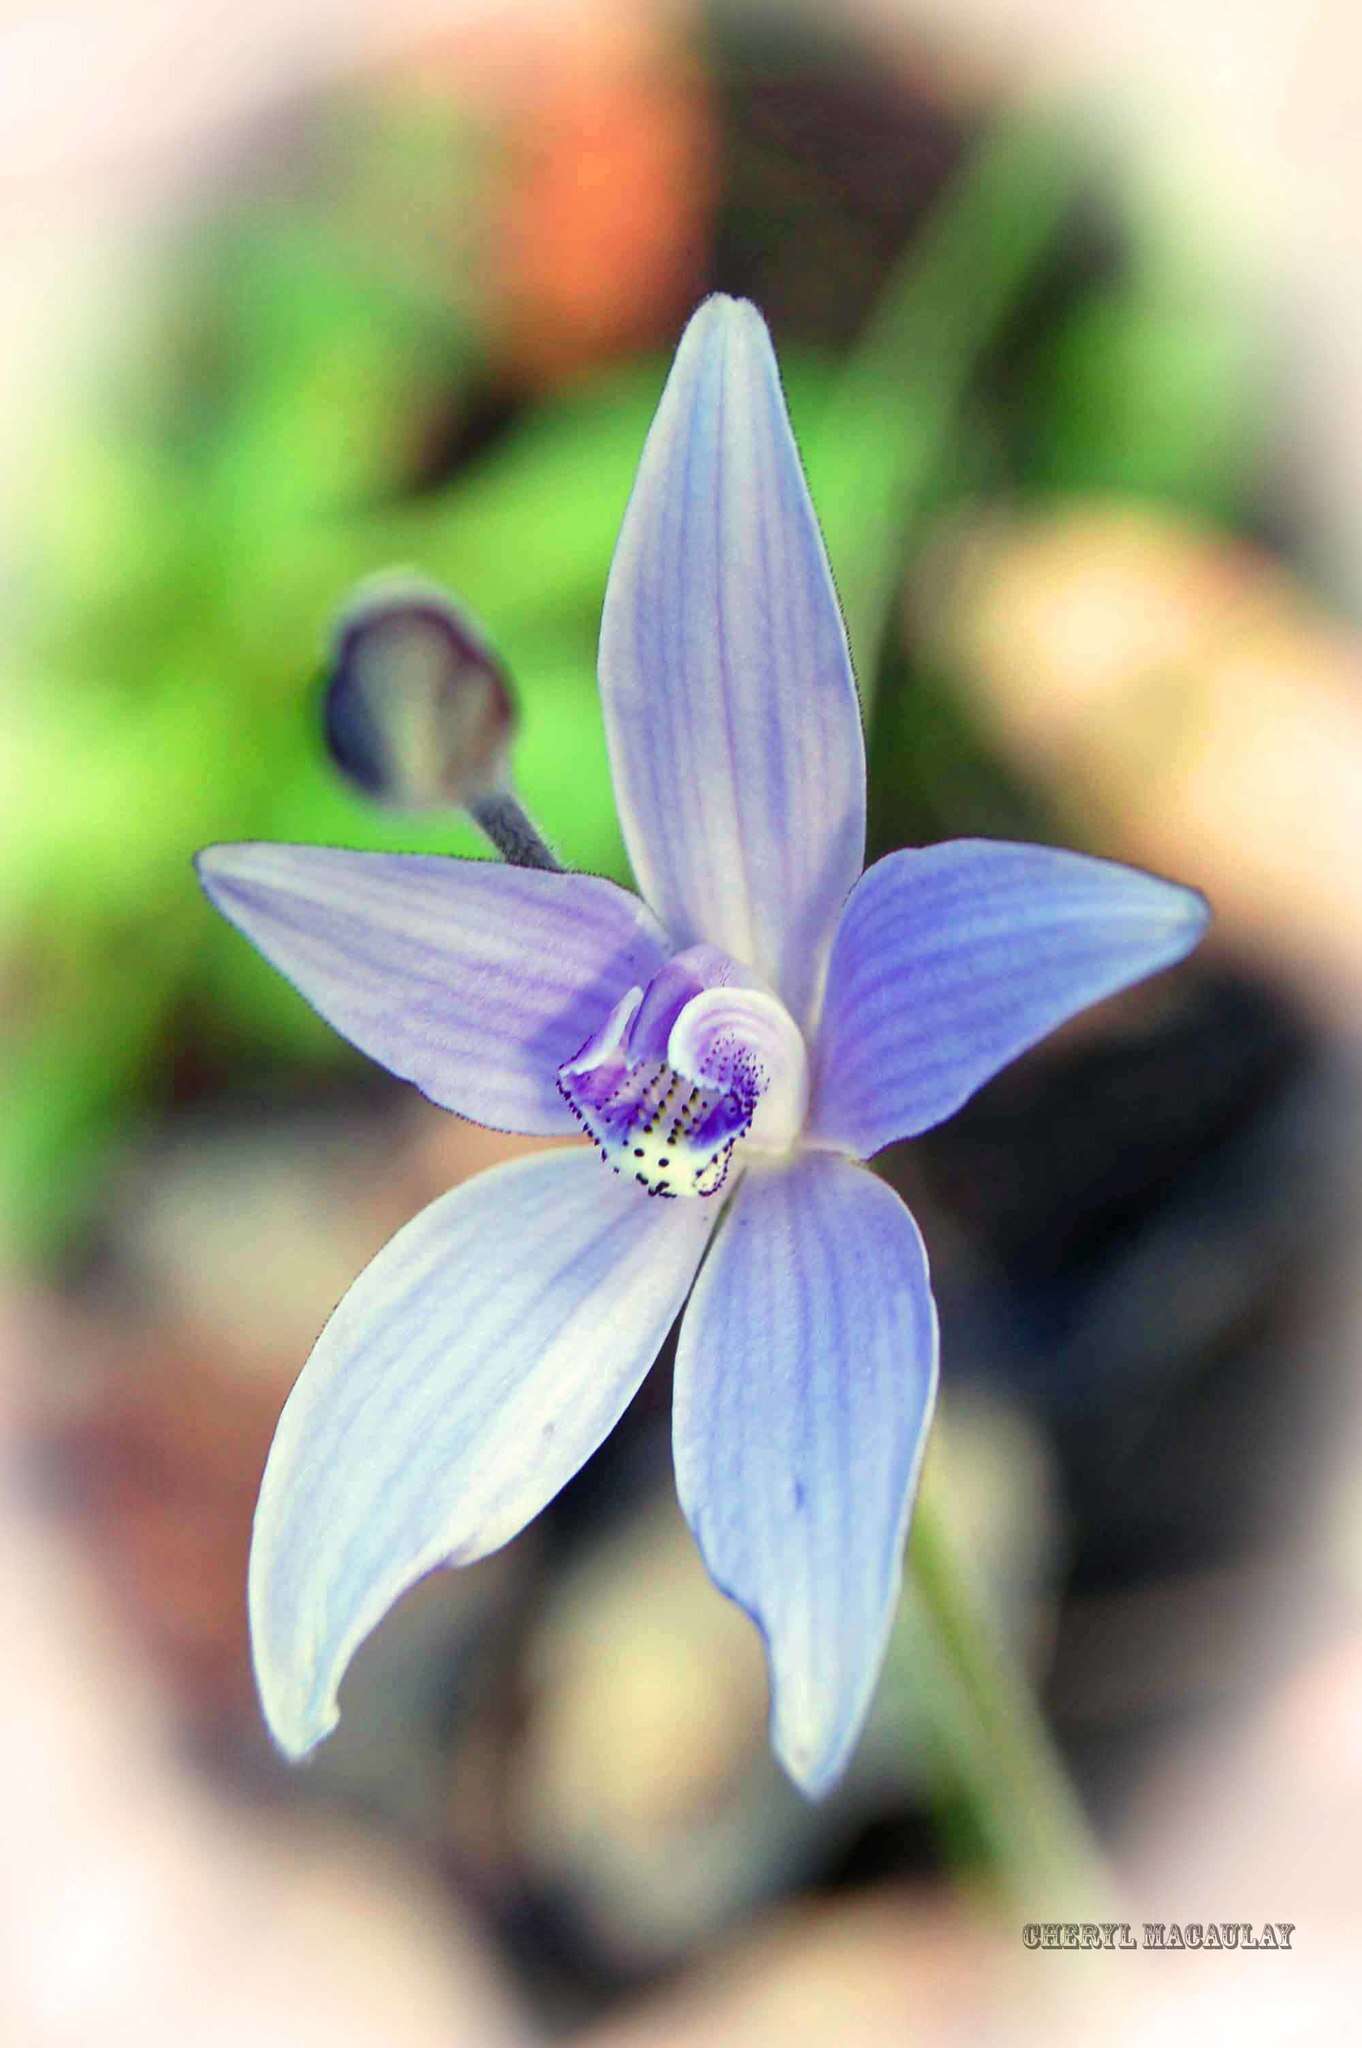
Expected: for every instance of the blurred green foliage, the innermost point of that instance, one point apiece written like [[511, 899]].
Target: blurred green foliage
[[201, 517]]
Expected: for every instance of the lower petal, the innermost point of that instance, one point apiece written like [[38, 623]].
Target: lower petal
[[805, 1376], [468, 1373]]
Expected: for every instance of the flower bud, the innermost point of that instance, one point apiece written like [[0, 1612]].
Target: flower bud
[[418, 712]]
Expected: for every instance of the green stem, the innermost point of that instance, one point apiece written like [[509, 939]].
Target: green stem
[[996, 1743]]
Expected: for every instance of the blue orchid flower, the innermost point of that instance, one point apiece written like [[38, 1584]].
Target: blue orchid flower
[[736, 1043]]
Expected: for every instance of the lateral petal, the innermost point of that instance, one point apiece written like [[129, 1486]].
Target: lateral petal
[[951, 960], [474, 980]]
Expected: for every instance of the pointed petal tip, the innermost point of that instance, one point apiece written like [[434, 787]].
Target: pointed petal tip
[[298, 1711], [813, 1758], [298, 1735], [1196, 913], [814, 1768], [205, 864], [720, 323], [722, 309], [1183, 912], [223, 864], [244, 875]]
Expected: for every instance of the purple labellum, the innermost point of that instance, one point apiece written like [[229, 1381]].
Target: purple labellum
[[672, 1128], [673, 1135]]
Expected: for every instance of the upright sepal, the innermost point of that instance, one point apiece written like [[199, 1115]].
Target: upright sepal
[[730, 707]]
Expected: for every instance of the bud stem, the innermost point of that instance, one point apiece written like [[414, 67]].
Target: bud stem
[[500, 816]]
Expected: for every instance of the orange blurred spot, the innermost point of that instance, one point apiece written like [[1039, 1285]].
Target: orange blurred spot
[[605, 177]]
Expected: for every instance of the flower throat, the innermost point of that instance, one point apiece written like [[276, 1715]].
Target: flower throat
[[680, 1072]]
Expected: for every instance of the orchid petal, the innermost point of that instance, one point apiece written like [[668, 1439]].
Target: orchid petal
[[805, 1376], [951, 960], [465, 1377], [471, 979], [730, 706]]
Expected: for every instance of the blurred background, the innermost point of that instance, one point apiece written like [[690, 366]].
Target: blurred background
[[1070, 315]]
